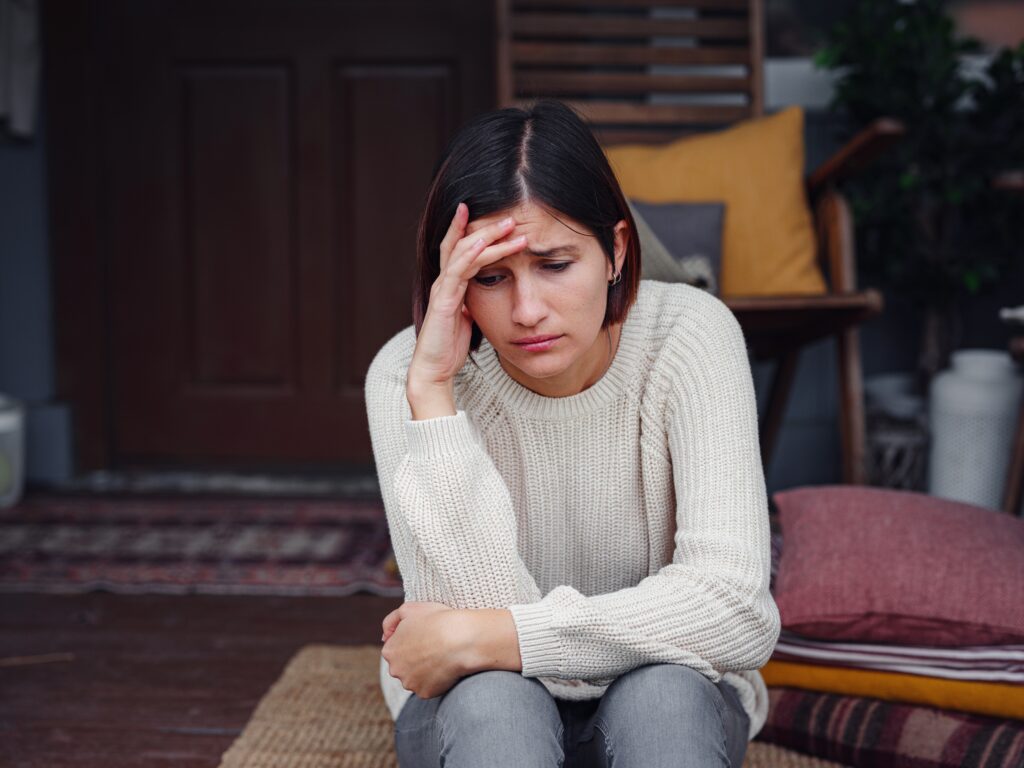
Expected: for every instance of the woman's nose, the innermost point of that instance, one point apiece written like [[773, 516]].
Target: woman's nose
[[528, 307]]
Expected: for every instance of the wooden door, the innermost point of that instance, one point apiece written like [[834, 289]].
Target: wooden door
[[261, 166]]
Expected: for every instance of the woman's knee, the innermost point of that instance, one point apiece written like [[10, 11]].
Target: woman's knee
[[484, 697], [666, 714], [501, 718], [670, 691]]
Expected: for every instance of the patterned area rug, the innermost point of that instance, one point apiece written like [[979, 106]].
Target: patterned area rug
[[181, 545], [326, 711]]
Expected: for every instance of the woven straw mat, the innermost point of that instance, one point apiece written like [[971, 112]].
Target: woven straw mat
[[326, 711]]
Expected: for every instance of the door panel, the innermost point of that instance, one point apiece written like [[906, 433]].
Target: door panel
[[265, 165], [371, 108]]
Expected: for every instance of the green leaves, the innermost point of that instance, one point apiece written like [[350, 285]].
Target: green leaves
[[928, 221], [908, 179], [972, 280], [826, 58]]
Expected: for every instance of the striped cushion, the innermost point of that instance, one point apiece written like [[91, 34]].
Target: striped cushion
[[857, 731]]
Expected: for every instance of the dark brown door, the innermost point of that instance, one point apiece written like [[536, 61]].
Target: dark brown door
[[263, 166]]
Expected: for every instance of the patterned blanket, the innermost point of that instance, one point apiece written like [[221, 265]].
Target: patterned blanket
[[872, 733]]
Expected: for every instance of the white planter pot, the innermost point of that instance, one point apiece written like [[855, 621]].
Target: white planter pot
[[973, 410]]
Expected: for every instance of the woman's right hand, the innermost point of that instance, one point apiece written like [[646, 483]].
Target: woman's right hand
[[443, 341]]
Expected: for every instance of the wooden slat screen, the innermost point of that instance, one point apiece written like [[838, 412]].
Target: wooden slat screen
[[638, 71]]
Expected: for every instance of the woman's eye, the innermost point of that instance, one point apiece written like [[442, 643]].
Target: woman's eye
[[490, 280], [487, 279]]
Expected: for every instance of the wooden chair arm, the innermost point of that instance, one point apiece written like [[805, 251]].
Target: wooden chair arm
[[1017, 348], [774, 324], [878, 136], [833, 224]]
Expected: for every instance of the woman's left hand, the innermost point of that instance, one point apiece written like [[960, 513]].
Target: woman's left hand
[[425, 645]]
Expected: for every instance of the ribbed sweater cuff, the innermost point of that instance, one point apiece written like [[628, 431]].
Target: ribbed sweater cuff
[[439, 435], [538, 642]]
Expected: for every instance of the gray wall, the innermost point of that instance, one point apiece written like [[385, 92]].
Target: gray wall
[[26, 314], [808, 447]]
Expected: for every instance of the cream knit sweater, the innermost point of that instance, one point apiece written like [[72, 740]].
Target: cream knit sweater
[[621, 526]]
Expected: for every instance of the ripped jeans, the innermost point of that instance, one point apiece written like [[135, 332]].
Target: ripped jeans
[[655, 716]]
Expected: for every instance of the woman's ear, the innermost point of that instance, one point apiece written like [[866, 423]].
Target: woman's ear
[[621, 238]]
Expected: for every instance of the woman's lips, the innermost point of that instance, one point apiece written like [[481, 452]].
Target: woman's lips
[[539, 346]]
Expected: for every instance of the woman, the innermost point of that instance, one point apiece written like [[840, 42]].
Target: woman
[[578, 508]]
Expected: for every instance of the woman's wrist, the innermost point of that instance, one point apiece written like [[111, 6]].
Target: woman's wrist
[[428, 401], [490, 641]]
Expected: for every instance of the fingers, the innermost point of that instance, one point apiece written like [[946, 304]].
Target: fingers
[[390, 622], [448, 292], [463, 256], [465, 265], [456, 231], [457, 243]]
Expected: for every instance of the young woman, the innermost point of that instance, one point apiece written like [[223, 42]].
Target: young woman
[[569, 462]]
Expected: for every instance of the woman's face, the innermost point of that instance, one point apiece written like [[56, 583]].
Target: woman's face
[[557, 285]]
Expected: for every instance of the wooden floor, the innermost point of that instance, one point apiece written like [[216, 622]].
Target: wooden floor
[[152, 680]]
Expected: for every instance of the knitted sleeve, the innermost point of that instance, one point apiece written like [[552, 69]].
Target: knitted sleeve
[[709, 608], [449, 512]]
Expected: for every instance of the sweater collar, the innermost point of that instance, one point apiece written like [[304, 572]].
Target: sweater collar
[[610, 386]]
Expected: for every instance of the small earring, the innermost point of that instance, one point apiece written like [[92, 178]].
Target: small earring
[[616, 280]]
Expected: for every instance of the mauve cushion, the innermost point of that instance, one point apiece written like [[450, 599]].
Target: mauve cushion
[[887, 566]]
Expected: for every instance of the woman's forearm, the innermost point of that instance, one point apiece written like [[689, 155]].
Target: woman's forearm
[[494, 641]]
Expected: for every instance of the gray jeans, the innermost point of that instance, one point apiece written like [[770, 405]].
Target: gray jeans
[[655, 716]]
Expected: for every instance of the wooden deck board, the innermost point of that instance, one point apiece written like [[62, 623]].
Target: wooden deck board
[[154, 680]]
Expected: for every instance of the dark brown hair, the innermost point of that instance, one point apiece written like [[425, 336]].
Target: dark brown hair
[[545, 154]]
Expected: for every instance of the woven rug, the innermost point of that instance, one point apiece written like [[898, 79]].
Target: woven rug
[[182, 545], [191, 544], [326, 711]]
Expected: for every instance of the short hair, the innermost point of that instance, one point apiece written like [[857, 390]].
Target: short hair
[[545, 154]]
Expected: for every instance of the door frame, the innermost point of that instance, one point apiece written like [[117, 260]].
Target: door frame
[[72, 99]]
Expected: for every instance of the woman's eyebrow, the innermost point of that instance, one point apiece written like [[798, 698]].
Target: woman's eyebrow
[[555, 252]]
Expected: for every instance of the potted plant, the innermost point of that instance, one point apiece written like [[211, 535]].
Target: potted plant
[[931, 224]]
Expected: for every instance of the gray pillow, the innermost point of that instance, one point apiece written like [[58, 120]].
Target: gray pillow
[[680, 242]]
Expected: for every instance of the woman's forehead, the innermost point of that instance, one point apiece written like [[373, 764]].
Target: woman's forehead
[[526, 215]]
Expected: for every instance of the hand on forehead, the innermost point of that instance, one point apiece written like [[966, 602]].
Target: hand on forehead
[[530, 220]]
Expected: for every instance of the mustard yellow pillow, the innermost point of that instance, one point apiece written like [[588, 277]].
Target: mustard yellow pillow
[[983, 698], [757, 169]]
